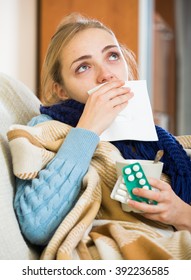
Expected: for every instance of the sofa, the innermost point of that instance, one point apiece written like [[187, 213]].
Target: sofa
[[18, 104]]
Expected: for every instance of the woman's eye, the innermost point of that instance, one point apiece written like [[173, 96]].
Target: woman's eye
[[114, 56], [82, 68]]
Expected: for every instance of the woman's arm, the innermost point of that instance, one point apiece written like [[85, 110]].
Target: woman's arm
[[43, 202], [170, 209]]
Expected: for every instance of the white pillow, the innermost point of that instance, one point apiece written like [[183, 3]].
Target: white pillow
[[17, 105]]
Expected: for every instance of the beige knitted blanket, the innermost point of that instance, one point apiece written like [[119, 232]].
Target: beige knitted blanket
[[97, 227]]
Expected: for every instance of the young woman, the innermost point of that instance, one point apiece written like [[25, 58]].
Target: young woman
[[82, 54]]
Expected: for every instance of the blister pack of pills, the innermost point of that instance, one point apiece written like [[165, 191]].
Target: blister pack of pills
[[132, 177], [120, 192]]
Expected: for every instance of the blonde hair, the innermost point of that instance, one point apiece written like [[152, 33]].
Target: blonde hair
[[52, 67]]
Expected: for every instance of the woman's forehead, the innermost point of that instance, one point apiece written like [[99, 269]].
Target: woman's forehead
[[89, 41]]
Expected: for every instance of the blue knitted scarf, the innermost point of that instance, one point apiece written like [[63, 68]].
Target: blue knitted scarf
[[177, 164]]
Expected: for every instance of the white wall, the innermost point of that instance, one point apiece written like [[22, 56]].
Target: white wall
[[183, 43], [146, 9], [18, 40]]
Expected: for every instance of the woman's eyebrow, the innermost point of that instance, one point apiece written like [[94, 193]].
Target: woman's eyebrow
[[83, 57], [109, 47]]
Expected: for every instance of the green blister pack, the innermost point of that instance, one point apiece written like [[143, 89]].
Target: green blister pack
[[134, 177]]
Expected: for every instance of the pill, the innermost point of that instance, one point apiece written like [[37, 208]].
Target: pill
[[131, 178], [136, 167], [122, 192], [120, 198], [142, 182], [139, 174], [122, 186], [127, 171]]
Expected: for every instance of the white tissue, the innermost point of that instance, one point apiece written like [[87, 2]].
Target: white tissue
[[135, 122]]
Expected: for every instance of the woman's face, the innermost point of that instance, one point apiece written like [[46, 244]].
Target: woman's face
[[91, 58]]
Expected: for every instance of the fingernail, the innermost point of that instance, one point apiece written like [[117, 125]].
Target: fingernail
[[135, 190]]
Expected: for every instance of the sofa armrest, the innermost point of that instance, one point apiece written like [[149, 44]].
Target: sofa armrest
[[17, 105]]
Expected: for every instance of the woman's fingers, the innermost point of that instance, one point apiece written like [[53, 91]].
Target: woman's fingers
[[158, 194], [149, 194], [115, 96], [103, 88], [158, 184], [144, 207], [161, 194], [122, 97], [103, 106], [114, 99]]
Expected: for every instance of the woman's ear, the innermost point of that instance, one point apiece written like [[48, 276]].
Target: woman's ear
[[60, 92]]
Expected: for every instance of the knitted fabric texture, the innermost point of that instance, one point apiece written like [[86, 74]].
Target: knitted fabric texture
[[177, 164]]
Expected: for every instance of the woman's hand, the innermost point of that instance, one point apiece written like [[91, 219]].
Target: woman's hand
[[170, 208], [104, 105]]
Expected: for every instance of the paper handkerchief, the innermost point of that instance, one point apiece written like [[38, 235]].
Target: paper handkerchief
[[135, 122]]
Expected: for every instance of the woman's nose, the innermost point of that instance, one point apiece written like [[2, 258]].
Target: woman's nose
[[105, 75]]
